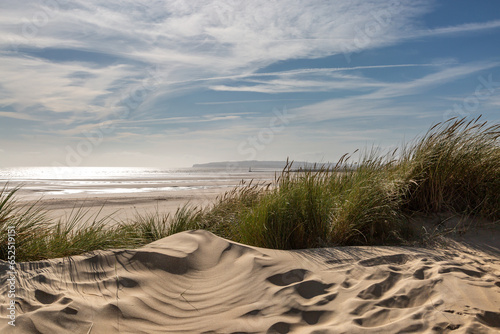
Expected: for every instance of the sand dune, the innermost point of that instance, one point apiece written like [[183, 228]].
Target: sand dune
[[195, 282]]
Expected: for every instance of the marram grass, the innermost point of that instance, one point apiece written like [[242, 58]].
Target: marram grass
[[454, 167]]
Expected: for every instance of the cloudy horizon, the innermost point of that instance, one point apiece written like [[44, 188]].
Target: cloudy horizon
[[175, 83]]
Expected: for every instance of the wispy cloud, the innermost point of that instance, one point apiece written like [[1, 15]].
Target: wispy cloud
[[16, 115], [194, 42], [85, 61], [381, 101], [429, 81], [250, 101], [458, 29], [325, 79], [30, 82], [342, 69]]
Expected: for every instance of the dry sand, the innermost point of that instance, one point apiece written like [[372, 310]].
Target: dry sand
[[195, 282]]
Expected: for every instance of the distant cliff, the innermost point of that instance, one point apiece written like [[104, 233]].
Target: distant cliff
[[256, 164]]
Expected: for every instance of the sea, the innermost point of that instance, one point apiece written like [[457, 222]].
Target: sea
[[62, 181]]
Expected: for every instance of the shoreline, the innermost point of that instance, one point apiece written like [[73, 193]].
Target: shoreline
[[123, 198]]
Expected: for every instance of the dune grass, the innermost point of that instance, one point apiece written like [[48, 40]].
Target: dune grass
[[454, 167], [37, 237], [78, 233], [27, 221], [324, 207]]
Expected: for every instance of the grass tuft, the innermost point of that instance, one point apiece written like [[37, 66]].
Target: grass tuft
[[455, 167]]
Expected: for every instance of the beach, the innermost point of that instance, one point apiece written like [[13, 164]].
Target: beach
[[196, 282], [248, 167], [122, 193]]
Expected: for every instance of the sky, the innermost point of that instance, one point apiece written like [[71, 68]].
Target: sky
[[173, 83]]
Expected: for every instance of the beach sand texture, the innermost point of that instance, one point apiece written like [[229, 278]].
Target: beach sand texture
[[196, 282]]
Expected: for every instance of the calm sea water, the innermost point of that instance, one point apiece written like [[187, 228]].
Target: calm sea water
[[56, 181]]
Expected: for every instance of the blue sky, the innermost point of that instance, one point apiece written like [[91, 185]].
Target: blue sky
[[173, 83]]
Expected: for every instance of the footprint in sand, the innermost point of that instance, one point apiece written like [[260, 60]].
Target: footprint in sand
[[294, 281], [468, 272], [280, 328], [386, 259], [413, 297], [290, 277], [421, 273], [306, 289], [375, 291], [46, 298], [489, 318], [311, 289]]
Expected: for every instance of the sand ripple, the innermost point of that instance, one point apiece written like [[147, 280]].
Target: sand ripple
[[195, 282]]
